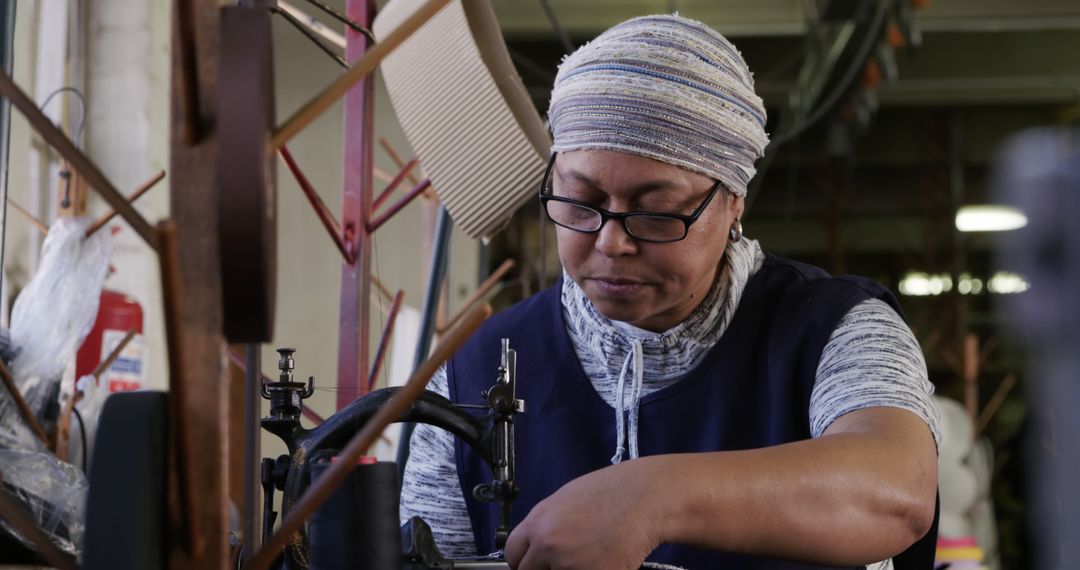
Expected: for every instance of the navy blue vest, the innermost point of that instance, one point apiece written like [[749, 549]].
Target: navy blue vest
[[751, 390]]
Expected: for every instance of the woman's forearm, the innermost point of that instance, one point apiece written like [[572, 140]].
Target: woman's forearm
[[859, 494]]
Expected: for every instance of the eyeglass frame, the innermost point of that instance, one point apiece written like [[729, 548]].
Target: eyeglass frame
[[606, 215]]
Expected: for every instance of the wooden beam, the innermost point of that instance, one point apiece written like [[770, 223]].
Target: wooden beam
[[106, 218], [192, 186], [24, 409], [971, 376]]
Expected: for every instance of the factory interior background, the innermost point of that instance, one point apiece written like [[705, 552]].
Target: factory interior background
[[894, 144]]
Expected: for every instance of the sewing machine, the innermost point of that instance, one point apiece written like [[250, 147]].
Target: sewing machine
[[491, 435]]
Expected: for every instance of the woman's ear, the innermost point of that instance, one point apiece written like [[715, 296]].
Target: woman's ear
[[737, 205]]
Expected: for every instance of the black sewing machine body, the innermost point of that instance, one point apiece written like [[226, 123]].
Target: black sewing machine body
[[490, 434]]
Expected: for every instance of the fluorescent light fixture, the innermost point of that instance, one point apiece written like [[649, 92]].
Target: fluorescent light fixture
[[1005, 283], [919, 284], [989, 218]]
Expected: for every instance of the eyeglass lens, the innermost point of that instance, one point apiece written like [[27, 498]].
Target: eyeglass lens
[[641, 226]]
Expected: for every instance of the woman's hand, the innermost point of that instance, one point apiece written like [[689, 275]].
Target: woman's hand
[[606, 519]]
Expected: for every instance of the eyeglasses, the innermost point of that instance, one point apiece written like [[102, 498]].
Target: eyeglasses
[[656, 227]]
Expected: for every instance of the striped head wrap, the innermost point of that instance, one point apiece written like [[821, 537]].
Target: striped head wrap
[[667, 88]]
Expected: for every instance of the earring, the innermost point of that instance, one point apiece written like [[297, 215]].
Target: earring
[[735, 233]]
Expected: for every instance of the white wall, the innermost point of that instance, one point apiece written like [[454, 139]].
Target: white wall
[[127, 89]]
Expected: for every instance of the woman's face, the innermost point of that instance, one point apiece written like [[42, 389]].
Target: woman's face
[[654, 286]]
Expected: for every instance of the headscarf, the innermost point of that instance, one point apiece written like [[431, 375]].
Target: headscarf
[[667, 88]]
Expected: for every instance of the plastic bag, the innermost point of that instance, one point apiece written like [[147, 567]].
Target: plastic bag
[[52, 491], [57, 308], [86, 424]]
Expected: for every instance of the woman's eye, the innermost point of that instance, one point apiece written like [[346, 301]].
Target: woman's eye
[[589, 198]]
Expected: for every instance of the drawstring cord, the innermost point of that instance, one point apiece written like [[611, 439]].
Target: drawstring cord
[[636, 357]]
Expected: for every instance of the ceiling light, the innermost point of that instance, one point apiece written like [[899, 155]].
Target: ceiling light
[[989, 218], [919, 284], [1005, 283]]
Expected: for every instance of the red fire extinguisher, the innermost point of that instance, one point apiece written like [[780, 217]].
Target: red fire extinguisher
[[117, 314]]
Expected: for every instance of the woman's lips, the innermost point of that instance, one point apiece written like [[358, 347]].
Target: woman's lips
[[617, 286]]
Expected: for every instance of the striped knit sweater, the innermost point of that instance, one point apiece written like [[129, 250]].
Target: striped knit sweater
[[871, 359]]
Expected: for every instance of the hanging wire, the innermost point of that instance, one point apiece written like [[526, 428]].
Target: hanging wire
[[839, 89], [82, 436], [525, 62], [77, 137], [564, 38], [343, 19], [311, 36]]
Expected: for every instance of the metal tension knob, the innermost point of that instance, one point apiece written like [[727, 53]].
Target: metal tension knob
[[286, 364]]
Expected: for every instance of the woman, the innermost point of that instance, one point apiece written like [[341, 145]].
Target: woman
[[690, 400]]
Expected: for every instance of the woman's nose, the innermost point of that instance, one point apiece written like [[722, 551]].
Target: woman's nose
[[612, 239]]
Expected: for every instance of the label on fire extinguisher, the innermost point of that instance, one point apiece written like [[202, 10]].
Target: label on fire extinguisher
[[126, 372]]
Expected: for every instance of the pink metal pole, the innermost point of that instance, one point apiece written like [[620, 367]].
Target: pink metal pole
[[388, 332], [323, 212], [405, 171], [353, 335], [404, 201]]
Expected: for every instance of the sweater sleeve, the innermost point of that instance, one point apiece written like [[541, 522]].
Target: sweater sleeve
[[430, 487], [871, 359]]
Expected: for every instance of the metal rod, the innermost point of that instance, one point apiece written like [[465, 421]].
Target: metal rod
[[21, 520], [440, 253], [83, 165], [240, 362], [24, 408], [189, 65], [354, 305], [404, 201], [252, 452], [405, 171], [384, 342], [332, 478], [169, 259], [310, 35], [146, 186], [312, 24], [341, 18], [321, 210], [371, 59]]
